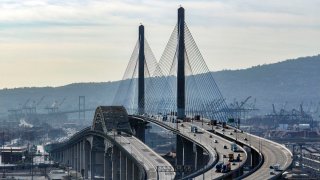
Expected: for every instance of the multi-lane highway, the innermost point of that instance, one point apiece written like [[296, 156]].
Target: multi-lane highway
[[149, 159], [206, 139], [217, 144], [272, 152], [145, 156]]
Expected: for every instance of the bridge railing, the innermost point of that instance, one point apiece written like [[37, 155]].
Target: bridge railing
[[199, 171], [87, 132]]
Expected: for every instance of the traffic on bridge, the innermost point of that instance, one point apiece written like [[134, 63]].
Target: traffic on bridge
[[178, 94]]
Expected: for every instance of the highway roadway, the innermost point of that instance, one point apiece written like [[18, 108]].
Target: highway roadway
[[149, 159], [215, 150], [273, 153], [204, 138]]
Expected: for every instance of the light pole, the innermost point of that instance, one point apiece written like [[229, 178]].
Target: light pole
[[202, 120], [157, 172], [236, 135]]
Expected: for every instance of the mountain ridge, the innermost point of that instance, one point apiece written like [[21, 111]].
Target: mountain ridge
[[293, 81]]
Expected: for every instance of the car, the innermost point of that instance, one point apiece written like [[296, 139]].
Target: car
[[225, 147], [245, 139], [276, 167], [219, 167], [215, 141]]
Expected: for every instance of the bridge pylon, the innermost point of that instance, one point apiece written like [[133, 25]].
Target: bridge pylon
[[181, 66], [189, 88], [135, 90], [141, 63]]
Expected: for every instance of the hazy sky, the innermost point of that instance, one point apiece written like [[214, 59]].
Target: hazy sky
[[56, 42]]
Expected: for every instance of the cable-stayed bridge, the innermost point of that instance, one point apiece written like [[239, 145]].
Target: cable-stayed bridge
[[178, 94]]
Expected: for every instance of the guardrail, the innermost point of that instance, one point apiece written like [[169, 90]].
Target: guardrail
[[200, 171], [87, 132], [261, 159]]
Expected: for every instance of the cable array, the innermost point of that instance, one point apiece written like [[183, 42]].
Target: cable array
[[203, 96]]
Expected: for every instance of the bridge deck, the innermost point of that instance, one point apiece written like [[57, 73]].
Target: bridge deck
[[149, 159], [215, 150], [204, 138], [272, 152], [138, 150]]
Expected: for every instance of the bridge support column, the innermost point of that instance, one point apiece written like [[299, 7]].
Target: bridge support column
[[81, 158], [75, 157], [86, 162], [69, 155], [135, 172], [199, 158], [189, 154], [115, 163], [66, 157], [184, 152], [129, 167], [98, 165], [92, 162], [123, 166], [179, 150], [255, 158], [107, 166], [141, 131], [57, 156], [63, 157]]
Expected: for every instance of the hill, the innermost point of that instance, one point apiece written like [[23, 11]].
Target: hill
[[293, 81]]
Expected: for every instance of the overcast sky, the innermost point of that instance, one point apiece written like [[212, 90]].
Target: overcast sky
[[56, 42]]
